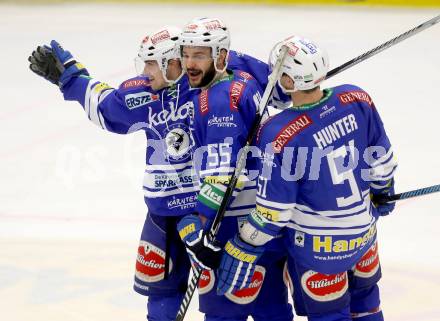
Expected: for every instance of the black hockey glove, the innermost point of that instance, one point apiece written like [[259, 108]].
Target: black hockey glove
[[201, 252], [55, 64], [44, 64]]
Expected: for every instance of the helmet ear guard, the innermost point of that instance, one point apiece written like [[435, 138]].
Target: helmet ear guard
[[162, 46], [208, 32], [306, 63]]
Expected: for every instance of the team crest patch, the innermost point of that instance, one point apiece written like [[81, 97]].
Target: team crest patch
[[249, 294], [206, 282], [289, 131], [369, 264], [178, 142], [324, 287], [150, 263]]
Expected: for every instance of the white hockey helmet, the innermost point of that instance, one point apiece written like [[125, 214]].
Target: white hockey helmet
[[207, 32], [161, 46], [306, 63]]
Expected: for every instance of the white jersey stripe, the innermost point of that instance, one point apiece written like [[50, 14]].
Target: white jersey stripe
[[383, 158], [347, 231], [362, 218], [176, 191], [167, 167]]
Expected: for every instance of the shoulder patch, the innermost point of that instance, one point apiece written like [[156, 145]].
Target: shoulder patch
[[356, 95], [246, 76], [140, 99], [289, 131], [133, 83], [204, 102], [235, 92]]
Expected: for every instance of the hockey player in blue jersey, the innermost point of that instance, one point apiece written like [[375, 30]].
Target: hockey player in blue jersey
[[158, 104], [224, 112], [321, 160]]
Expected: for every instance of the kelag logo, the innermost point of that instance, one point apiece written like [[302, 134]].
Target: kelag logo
[[140, 99]]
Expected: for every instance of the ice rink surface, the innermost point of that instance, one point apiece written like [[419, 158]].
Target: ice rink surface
[[71, 203]]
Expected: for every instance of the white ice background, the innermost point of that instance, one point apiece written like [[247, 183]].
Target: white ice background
[[71, 204]]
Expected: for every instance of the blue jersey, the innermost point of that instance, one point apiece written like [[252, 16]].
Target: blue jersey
[[319, 164], [260, 71], [223, 116], [163, 115]]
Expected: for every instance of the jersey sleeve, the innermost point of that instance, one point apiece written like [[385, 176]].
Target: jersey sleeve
[[220, 133], [276, 193], [381, 159], [121, 110]]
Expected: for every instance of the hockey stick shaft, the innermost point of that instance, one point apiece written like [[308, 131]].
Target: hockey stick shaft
[[384, 46], [241, 162], [383, 199]]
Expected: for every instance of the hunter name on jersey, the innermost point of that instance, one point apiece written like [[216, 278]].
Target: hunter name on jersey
[[336, 228], [338, 129]]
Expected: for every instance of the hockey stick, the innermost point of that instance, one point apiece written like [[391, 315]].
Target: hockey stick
[[241, 162], [242, 158], [382, 47], [383, 199]]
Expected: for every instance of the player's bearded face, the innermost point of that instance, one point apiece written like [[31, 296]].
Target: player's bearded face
[[199, 65]]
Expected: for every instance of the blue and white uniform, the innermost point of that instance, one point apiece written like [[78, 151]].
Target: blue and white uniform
[[320, 163], [168, 181], [169, 187], [223, 116]]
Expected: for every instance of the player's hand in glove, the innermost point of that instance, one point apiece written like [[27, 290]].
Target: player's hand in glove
[[384, 208], [201, 252], [237, 265], [55, 64]]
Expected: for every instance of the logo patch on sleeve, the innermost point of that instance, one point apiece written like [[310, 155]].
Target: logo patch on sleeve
[[150, 263], [235, 92], [355, 96], [324, 287], [249, 294], [299, 238], [290, 130], [140, 99], [369, 264]]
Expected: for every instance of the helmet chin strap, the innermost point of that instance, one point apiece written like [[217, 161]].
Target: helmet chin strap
[[164, 70], [215, 58], [285, 90]]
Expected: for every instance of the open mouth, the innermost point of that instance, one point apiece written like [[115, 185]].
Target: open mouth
[[194, 74]]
